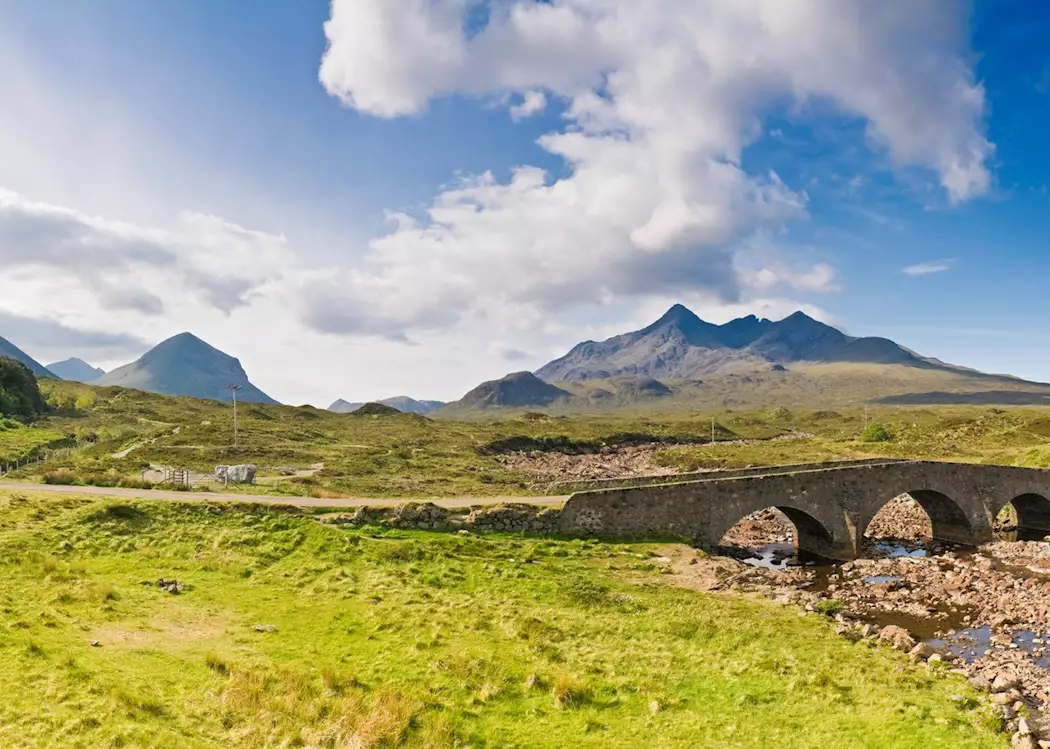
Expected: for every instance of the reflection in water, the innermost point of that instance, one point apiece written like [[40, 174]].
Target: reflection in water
[[772, 557], [973, 644], [778, 557], [894, 549], [967, 644], [880, 579]]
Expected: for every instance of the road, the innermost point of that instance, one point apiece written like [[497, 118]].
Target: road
[[269, 499]]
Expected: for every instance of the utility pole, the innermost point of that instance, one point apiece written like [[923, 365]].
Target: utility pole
[[233, 389], [712, 430]]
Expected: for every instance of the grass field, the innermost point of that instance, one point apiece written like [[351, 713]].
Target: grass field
[[306, 451], [290, 633]]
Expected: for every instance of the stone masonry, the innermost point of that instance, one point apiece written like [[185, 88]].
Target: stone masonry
[[830, 507]]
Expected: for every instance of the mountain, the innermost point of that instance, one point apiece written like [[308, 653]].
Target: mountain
[[681, 346], [682, 363], [12, 351], [401, 402], [518, 390], [186, 365], [76, 370]]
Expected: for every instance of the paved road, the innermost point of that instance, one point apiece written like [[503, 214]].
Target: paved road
[[102, 491]]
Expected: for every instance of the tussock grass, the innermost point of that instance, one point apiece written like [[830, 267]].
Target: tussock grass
[[293, 633]]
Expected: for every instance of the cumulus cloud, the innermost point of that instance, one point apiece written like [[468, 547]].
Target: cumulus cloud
[[660, 102], [132, 267], [818, 279], [925, 269], [532, 103]]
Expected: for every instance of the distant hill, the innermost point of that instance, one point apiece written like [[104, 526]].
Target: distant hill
[[76, 370], [12, 351], [375, 408], [401, 402], [518, 390], [186, 365]]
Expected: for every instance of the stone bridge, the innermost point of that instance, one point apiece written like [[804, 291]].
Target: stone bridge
[[830, 505]]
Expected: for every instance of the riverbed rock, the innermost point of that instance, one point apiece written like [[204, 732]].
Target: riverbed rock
[[922, 651], [980, 682], [898, 637], [1005, 682], [1023, 741]]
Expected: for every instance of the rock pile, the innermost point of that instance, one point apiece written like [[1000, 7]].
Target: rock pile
[[991, 605], [1019, 713]]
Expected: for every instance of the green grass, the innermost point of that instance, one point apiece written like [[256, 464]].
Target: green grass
[[18, 441], [292, 633]]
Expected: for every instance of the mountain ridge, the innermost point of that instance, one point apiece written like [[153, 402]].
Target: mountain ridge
[[12, 351], [681, 346], [76, 370], [402, 403], [682, 362]]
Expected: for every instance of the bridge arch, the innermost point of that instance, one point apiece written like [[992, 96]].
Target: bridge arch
[[810, 535], [1031, 515], [947, 520]]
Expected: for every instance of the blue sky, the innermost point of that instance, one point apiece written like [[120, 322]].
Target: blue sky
[[264, 179]]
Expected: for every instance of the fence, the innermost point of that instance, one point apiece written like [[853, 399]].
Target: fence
[[177, 476], [36, 456]]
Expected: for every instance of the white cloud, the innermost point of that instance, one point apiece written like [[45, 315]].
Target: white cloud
[[925, 269], [132, 267], [660, 101], [532, 103], [818, 279]]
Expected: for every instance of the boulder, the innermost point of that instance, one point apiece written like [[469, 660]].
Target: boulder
[[980, 682], [1023, 741], [1004, 682], [242, 474], [898, 637], [922, 651]]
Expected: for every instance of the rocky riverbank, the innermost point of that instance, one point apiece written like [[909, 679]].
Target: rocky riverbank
[[982, 612]]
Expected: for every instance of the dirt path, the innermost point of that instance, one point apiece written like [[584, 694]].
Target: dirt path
[[102, 491]]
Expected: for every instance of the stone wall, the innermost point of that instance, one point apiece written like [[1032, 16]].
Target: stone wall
[[829, 507], [505, 518]]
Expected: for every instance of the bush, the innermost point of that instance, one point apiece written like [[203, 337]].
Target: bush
[[829, 606], [133, 483], [586, 592], [60, 478], [876, 433], [19, 392], [85, 401]]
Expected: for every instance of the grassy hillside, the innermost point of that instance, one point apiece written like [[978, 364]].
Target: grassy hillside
[[290, 633], [306, 451], [809, 385]]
